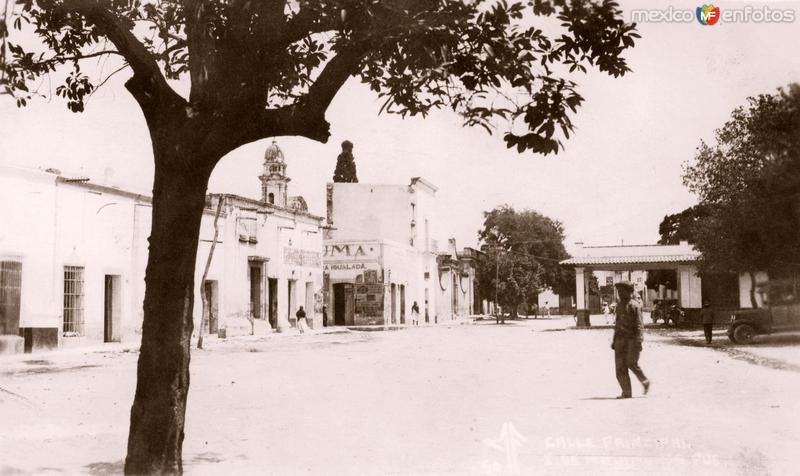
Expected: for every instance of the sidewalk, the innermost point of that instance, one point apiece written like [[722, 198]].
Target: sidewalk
[[211, 341]]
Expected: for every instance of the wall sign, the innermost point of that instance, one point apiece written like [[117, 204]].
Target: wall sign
[[352, 250], [302, 258]]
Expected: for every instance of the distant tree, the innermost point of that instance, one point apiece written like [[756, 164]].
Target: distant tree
[[680, 226], [270, 68], [564, 285], [673, 229], [749, 182], [523, 251], [345, 165], [658, 277]]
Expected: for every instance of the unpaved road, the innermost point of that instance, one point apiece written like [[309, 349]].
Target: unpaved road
[[524, 398]]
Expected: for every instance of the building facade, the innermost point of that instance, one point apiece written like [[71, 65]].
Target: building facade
[[633, 262], [382, 256], [73, 259]]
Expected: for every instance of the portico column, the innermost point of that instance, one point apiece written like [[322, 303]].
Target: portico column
[[580, 293], [582, 313]]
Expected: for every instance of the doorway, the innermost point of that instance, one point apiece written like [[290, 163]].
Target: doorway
[[343, 304], [272, 284], [256, 290], [310, 303], [291, 302], [393, 297], [402, 304], [212, 306], [111, 308]]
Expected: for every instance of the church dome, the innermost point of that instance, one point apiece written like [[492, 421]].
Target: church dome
[[273, 153]]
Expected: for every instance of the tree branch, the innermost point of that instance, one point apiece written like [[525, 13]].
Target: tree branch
[[306, 22], [148, 85], [107, 78], [333, 76], [64, 59]]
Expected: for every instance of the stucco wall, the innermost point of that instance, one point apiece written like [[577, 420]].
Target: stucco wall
[[105, 231], [68, 224]]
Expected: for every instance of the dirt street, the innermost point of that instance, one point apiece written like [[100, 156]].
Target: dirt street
[[528, 397]]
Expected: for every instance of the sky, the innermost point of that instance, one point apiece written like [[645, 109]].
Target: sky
[[617, 177]]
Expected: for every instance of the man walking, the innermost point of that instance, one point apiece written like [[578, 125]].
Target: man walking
[[627, 342], [301, 320]]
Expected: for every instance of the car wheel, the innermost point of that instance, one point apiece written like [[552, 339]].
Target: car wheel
[[743, 334]]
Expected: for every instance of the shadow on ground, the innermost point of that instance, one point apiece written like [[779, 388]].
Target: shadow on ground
[[739, 352], [105, 468]]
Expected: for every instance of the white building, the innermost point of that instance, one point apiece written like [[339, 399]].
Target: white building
[[268, 258], [381, 256], [73, 255], [631, 262]]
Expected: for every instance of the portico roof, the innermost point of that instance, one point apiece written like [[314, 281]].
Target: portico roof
[[633, 255]]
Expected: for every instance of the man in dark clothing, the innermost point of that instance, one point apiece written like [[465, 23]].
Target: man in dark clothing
[[627, 342], [301, 319], [707, 316]]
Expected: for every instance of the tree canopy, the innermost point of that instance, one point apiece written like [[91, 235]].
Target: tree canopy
[[680, 226], [345, 165], [749, 183], [281, 62], [523, 250]]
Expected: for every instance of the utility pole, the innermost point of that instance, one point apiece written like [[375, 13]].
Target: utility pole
[[496, 283], [496, 278]]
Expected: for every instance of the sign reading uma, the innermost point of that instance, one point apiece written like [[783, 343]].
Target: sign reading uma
[[352, 250]]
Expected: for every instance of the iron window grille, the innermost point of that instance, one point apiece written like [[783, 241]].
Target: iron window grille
[[10, 289], [73, 301]]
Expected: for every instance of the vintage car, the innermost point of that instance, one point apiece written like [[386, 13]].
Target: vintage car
[[780, 313]]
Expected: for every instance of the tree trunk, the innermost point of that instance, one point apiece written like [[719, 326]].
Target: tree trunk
[[753, 301], [206, 310], [157, 417]]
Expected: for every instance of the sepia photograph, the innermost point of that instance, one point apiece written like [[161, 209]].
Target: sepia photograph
[[399, 237]]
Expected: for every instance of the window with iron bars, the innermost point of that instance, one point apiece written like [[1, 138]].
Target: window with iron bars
[[73, 301]]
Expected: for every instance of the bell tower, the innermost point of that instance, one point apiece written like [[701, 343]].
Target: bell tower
[[274, 180]]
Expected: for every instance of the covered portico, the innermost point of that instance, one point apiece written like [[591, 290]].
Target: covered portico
[[681, 258]]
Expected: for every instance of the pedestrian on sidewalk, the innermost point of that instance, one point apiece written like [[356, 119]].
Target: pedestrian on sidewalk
[[627, 341], [301, 320], [324, 316], [415, 314], [707, 316]]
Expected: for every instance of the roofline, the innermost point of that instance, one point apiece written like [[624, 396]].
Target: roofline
[[85, 183], [416, 180], [264, 205], [649, 245], [634, 260]]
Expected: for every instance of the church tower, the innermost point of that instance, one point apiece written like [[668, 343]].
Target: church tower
[[274, 180]]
